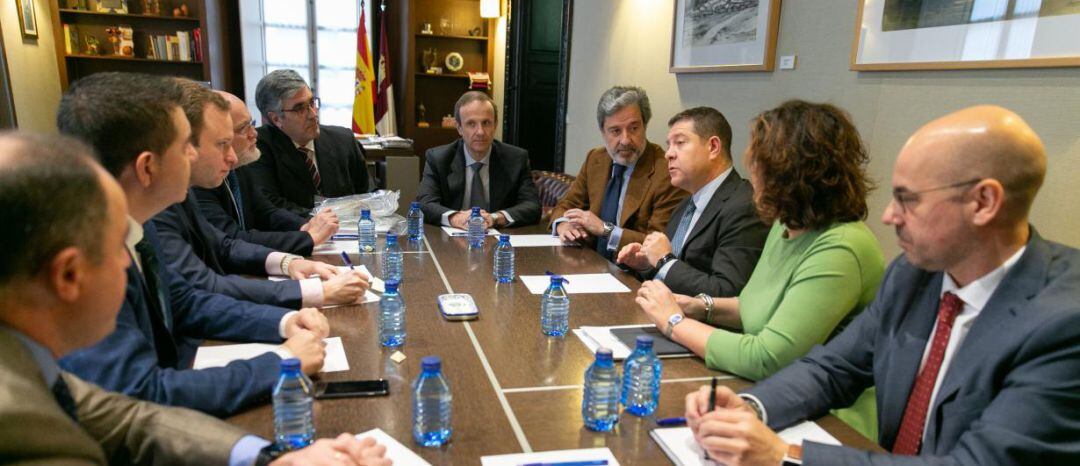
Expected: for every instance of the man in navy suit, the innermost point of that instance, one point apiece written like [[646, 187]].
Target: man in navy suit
[[243, 212], [973, 340], [211, 260], [142, 138], [477, 171]]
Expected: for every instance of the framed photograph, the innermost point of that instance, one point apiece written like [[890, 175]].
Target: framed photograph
[[724, 35], [27, 18], [965, 34], [112, 6]]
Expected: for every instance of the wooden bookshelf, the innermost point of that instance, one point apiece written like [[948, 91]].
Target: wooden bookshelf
[[78, 62]]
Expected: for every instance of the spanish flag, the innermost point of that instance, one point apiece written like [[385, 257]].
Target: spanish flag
[[363, 100]]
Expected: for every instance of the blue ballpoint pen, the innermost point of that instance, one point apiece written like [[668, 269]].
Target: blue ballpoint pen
[[348, 262], [570, 463], [344, 236], [671, 421]]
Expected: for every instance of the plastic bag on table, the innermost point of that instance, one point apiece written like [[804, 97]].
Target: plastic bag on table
[[382, 203]]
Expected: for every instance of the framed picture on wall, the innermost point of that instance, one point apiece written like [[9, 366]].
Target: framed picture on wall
[[27, 18], [965, 34], [724, 35]]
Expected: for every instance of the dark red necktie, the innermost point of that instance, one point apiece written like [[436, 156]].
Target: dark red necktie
[[909, 440], [309, 159]]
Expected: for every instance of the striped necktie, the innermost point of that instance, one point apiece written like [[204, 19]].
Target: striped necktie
[[309, 159]]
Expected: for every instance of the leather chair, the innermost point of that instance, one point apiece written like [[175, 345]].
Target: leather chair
[[551, 186]]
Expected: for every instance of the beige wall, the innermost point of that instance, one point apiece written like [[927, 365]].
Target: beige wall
[[628, 42], [35, 81]]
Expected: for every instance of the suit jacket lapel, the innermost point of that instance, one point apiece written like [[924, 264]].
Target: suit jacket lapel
[[598, 184], [639, 183], [456, 180], [712, 209], [905, 355], [292, 160], [1021, 284]]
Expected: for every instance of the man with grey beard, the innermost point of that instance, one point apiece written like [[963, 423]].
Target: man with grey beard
[[243, 212]]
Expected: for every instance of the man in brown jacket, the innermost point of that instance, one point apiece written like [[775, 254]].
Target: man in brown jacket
[[623, 191]]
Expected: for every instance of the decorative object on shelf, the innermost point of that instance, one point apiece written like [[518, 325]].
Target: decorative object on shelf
[[476, 31], [151, 7], [71, 39], [479, 80], [422, 119], [180, 11], [444, 26], [731, 35], [964, 34], [114, 39], [112, 6], [93, 45], [127, 44], [454, 62], [27, 18], [430, 58], [77, 5], [426, 29], [449, 122]]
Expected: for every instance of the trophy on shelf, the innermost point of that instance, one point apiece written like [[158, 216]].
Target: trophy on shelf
[[430, 58], [151, 7], [427, 29], [93, 45], [421, 121]]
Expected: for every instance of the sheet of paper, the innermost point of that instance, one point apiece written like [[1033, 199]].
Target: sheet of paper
[[577, 283], [395, 451], [459, 232], [595, 337], [218, 356], [337, 247], [377, 283], [517, 459], [679, 445], [534, 241]]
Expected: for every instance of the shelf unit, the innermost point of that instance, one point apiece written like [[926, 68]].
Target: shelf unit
[[439, 92], [78, 63]]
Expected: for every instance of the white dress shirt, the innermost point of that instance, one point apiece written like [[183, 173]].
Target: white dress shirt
[[485, 176]]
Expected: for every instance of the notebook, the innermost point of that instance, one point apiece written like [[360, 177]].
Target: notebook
[[662, 346]]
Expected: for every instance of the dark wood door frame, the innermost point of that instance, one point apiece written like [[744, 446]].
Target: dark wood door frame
[[7, 102], [515, 33]]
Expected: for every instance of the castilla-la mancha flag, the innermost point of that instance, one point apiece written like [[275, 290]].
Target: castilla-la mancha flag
[[363, 101], [384, 91]]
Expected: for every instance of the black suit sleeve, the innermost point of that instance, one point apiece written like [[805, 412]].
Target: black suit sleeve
[[430, 193], [359, 173], [525, 208], [740, 235]]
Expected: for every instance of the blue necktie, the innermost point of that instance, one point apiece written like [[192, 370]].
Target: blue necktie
[[609, 208], [683, 230], [233, 183]]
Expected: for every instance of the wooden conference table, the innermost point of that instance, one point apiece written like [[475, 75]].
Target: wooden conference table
[[515, 390]]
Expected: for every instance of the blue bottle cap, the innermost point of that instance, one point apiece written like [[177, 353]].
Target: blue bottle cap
[[414, 205], [603, 354], [644, 341], [290, 365], [431, 363], [475, 211], [391, 238], [392, 286], [556, 279], [504, 238], [365, 213]]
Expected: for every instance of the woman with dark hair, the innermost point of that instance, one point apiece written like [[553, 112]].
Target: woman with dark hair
[[820, 266]]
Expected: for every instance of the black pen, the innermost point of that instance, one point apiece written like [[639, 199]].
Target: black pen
[[349, 263], [712, 406]]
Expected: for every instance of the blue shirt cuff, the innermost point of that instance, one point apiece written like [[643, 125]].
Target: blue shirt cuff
[[246, 450], [613, 239], [660, 274], [555, 225]]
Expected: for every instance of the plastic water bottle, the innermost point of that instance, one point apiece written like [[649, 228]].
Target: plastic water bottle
[[600, 406], [431, 404], [365, 228], [555, 309], [641, 379], [393, 264], [414, 222], [504, 260], [391, 316], [293, 398], [476, 229]]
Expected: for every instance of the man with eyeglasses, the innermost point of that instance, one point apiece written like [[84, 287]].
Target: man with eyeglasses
[[973, 340], [302, 161], [243, 212], [478, 171]]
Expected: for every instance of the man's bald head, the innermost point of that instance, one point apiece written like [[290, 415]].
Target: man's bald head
[[244, 135], [982, 142]]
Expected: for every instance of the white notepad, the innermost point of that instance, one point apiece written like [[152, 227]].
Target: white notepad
[[535, 241], [395, 451], [218, 356], [556, 456], [579, 283], [679, 445]]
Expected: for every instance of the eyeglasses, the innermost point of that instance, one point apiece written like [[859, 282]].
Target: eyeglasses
[[244, 127], [304, 107], [906, 199]]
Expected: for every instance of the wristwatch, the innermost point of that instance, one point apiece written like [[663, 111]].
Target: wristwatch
[[664, 260], [793, 456], [672, 321], [285, 261], [267, 455], [495, 217], [608, 228]]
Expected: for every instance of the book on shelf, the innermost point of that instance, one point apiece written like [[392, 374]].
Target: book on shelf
[[71, 39], [182, 46]]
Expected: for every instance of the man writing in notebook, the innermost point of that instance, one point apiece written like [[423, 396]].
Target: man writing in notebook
[[973, 340]]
